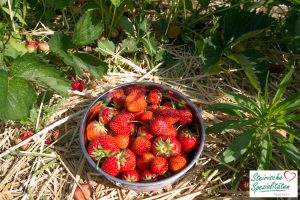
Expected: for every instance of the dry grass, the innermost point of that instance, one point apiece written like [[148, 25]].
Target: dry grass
[[53, 171]]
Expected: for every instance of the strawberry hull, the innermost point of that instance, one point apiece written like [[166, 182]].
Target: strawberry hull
[[169, 94]]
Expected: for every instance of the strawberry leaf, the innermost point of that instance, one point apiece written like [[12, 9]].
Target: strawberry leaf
[[16, 96]]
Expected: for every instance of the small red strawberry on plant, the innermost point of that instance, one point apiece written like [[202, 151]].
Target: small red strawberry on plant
[[52, 136], [78, 85], [188, 140], [95, 129], [127, 160], [159, 165], [122, 141], [144, 131], [111, 166], [154, 97], [143, 161], [101, 147], [178, 163], [145, 117], [244, 184], [106, 114], [186, 116], [26, 134], [31, 46], [166, 146], [148, 176], [135, 101], [159, 126], [141, 145], [276, 68], [80, 194], [121, 124], [131, 176]]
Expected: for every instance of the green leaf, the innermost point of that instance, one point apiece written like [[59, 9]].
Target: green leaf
[[33, 68], [238, 22], [237, 148], [151, 45], [129, 45], [228, 108], [14, 48], [116, 3], [255, 66], [211, 50], [106, 47], [265, 152], [60, 42], [282, 86], [91, 63], [291, 103], [88, 28], [126, 25], [16, 96], [244, 102], [15, 14], [290, 151], [229, 125], [293, 23], [289, 130]]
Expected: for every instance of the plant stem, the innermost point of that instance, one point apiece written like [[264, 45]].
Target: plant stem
[[112, 22]]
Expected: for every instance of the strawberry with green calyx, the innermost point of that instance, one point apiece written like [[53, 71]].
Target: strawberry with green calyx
[[106, 114], [101, 147], [82, 195], [127, 160], [141, 145], [131, 176], [148, 176], [154, 97], [135, 101], [159, 165], [121, 124], [143, 161], [144, 131], [186, 116], [32, 46], [122, 141], [95, 129], [118, 98], [111, 166], [159, 126], [178, 163], [188, 140], [144, 117], [166, 146]]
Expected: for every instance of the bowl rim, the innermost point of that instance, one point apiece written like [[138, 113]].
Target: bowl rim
[[163, 181]]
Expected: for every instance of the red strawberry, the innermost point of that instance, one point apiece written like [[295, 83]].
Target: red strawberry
[[127, 160], [26, 134], [140, 88], [244, 184], [178, 163], [122, 141], [31, 46], [166, 146], [111, 166], [188, 140], [186, 116], [78, 85], [128, 115], [145, 117], [121, 124], [143, 161], [95, 129], [276, 68], [159, 126], [106, 114], [154, 97], [131, 176], [168, 104], [144, 131], [147, 175], [152, 107], [81, 195], [94, 111], [52, 136], [103, 146], [170, 115], [141, 145], [135, 101], [159, 165], [118, 97]]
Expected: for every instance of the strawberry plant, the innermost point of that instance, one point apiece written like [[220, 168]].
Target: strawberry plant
[[261, 122]]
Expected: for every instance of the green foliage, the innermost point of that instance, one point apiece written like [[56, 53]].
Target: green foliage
[[260, 124]]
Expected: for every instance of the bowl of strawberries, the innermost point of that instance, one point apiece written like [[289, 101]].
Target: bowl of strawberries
[[142, 135]]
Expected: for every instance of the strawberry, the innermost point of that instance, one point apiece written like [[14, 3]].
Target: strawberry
[[159, 165], [147, 175], [141, 145], [118, 97], [166, 146], [186, 116], [143, 161], [95, 129], [188, 140], [26, 134], [159, 126], [122, 141], [44, 47], [170, 115], [103, 146], [31, 46], [152, 107], [276, 68], [95, 109], [81, 195], [131, 176], [168, 104], [177, 163], [244, 184], [52, 136], [127, 160], [154, 97], [140, 88], [106, 114], [78, 85], [144, 131], [111, 166], [145, 117], [121, 124], [135, 101]]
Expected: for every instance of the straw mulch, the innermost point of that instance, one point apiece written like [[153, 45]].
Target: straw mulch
[[54, 171]]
